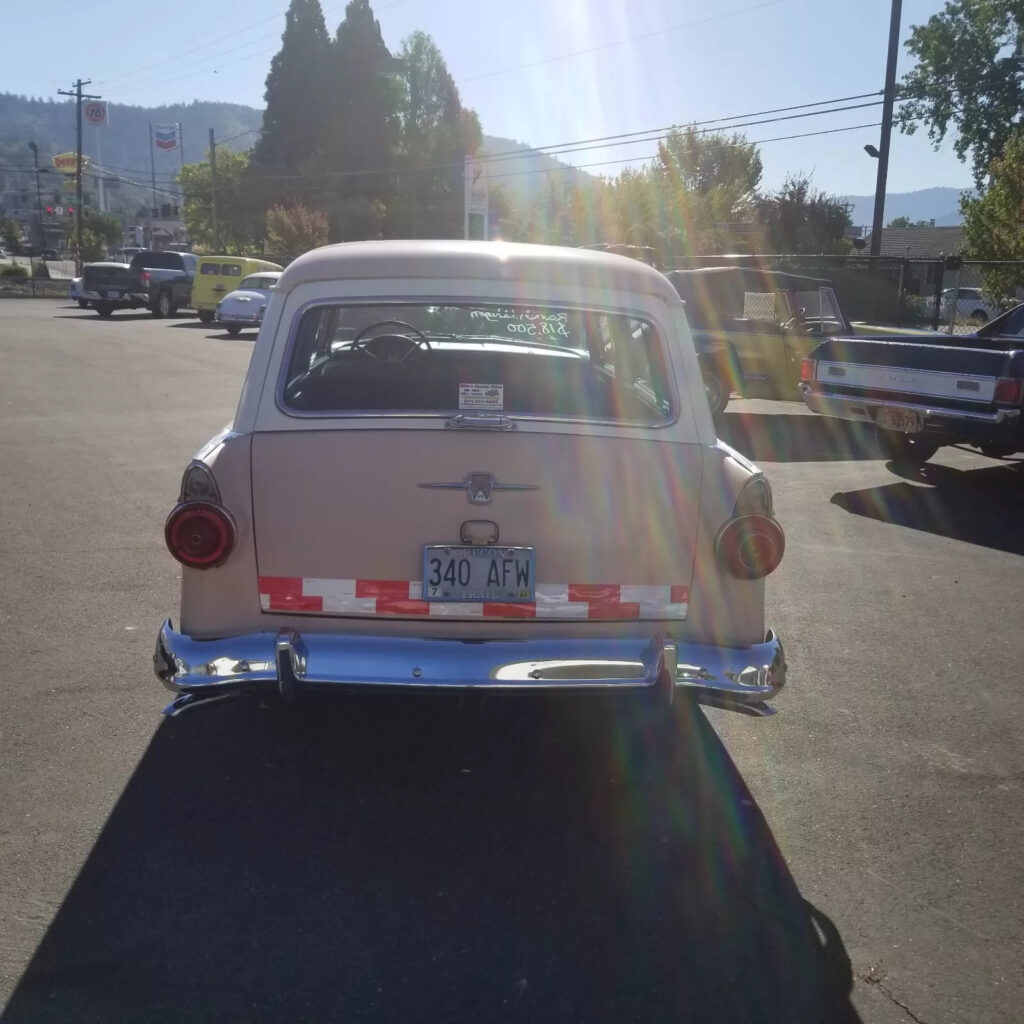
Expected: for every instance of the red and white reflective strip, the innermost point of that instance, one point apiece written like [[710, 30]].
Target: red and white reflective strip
[[405, 598]]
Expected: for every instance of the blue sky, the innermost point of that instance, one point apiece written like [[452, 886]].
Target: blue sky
[[648, 64]]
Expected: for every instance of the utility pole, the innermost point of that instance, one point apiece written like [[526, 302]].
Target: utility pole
[[883, 148], [79, 96], [39, 196], [213, 190]]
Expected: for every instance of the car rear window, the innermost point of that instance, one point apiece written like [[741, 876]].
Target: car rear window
[[514, 360]]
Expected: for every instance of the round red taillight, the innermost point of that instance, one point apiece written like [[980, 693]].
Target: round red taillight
[[751, 546], [199, 534]]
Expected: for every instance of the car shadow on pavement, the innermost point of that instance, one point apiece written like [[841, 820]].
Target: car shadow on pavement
[[792, 437], [91, 314], [395, 859], [979, 506]]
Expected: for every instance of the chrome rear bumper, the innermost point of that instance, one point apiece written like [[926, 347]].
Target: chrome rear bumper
[[737, 678]]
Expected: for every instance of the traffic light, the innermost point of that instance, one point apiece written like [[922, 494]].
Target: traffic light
[[71, 211], [49, 211]]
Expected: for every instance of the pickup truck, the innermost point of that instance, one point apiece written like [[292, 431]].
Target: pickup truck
[[923, 392], [752, 328], [158, 281]]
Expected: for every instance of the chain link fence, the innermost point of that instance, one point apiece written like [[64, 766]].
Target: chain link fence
[[946, 294]]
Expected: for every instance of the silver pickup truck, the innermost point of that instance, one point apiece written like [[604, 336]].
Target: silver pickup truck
[[923, 392]]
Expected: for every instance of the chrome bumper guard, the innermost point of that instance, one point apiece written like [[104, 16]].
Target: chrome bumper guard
[[740, 679]]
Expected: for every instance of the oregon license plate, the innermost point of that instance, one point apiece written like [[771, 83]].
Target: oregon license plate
[[904, 420], [457, 573]]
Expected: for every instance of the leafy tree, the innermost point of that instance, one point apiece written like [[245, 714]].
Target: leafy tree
[[10, 232], [906, 222], [364, 94], [800, 219], [436, 134], [994, 222], [297, 89], [969, 78], [240, 223], [106, 226], [703, 162], [295, 229]]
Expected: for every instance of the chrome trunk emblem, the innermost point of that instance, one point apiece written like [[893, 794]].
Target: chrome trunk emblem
[[478, 487]]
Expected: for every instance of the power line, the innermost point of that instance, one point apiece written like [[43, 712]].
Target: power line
[[583, 145], [654, 156]]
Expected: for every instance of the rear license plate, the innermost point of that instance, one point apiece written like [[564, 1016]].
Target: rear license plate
[[455, 573], [113, 295], [904, 420]]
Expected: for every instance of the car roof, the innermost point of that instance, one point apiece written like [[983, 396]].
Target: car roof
[[486, 261]]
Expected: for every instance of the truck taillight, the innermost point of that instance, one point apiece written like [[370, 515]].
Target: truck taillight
[[807, 368], [144, 277], [1008, 391], [199, 534]]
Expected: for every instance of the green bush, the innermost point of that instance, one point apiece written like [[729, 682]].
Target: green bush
[[14, 270]]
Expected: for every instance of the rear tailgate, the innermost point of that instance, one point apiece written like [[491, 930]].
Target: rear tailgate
[[106, 278], [342, 518], [950, 374]]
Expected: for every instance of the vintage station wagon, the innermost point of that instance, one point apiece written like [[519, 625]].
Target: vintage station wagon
[[472, 465]]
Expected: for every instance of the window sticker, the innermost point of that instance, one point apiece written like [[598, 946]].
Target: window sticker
[[482, 396]]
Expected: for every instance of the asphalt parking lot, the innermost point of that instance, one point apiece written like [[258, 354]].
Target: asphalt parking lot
[[854, 858]]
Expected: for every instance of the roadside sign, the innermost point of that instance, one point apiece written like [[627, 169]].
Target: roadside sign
[[95, 112]]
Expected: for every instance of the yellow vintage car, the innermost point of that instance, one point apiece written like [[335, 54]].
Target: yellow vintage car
[[752, 328], [218, 275]]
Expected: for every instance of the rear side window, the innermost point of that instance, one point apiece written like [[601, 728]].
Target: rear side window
[[157, 261], [209, 268], [231, 269], [538, 361]]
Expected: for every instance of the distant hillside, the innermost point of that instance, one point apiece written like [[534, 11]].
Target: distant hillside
[[941, 203], [123, 146], [525, 177]]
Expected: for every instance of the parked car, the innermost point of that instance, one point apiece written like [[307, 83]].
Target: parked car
[[219, 275], [49, 254], [752, 328], [963, 305], [4, 254], [158, 281], [472, 465], [77, 293], [923, 392], [246, 306]]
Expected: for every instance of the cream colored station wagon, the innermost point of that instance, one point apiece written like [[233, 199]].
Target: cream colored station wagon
[[472, 465]]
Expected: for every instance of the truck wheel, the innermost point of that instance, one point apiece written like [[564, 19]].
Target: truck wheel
[[234, 330], [715, 388], [104, 308], [206, 316], [162, 305], [905, 449], [83, 303]]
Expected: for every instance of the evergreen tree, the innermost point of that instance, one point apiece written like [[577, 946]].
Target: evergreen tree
[[364, 92], [294, 119]]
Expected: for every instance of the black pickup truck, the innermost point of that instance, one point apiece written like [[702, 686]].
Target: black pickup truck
[[923, 392], [158, 281]]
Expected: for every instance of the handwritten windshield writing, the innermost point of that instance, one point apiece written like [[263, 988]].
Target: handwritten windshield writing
[[529, 322]]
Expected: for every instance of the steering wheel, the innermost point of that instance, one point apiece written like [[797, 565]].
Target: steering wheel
[[414, 344]]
